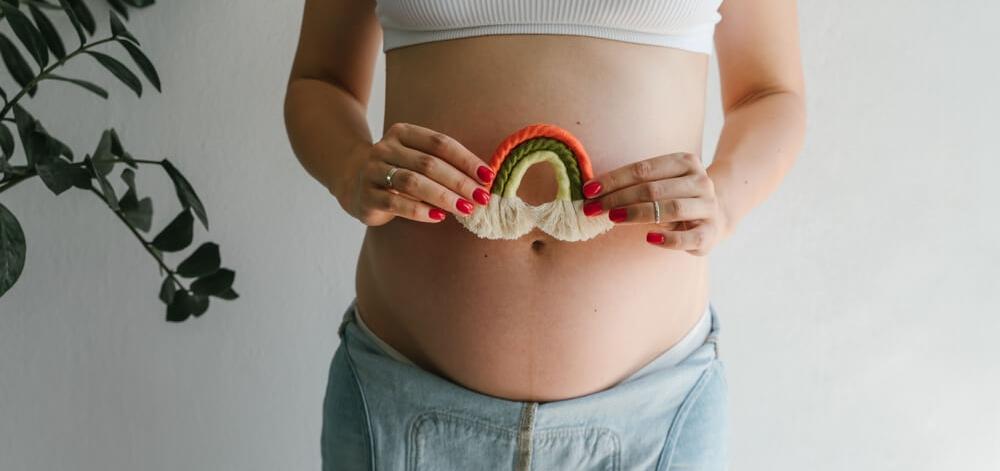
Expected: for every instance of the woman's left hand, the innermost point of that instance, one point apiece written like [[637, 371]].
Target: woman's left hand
[[691, 216]]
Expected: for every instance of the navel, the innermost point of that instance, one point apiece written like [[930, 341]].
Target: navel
[[537, 245]]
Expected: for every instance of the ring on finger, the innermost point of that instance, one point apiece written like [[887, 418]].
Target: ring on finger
[[656, 211], [388, 177]]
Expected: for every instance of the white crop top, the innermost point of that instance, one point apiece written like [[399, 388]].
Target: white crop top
[[683, 24]]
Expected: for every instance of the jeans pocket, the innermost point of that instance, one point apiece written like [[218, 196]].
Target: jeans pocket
[[345, 439], [440, 440], [699, 434]]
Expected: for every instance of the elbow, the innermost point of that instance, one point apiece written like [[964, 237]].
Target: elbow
[[798, 98], [288, 106], [791, 101], [757, 94]]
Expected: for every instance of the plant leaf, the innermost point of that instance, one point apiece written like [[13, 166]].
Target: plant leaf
[[75, 20], [119, 7], [215, 283], [18, 67], [167, 290], [6, 141], [107, 191], [27, 33], [185, 192], [53, 147], [83, 181], [119, 151], [128, 176], [104, 160], [119, 70], [184, 304], [179, 308], [118, 28], [177, 235], [12, 249], [140, 3], [200, 303], [203, 261], [49, 31], [83, 83], [138, 213], [40, 147], [143, 62], [83, 14], [25, 126], [59, 175], [229, 294]]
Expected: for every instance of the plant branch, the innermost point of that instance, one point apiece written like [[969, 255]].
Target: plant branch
[[145, 244], [14, 181], [45, 72], [31, 172]]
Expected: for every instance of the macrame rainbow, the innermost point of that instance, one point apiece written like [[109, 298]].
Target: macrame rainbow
[[508, 217]]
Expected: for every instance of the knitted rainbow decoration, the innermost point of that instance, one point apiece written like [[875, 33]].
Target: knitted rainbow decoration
[[508, 217]]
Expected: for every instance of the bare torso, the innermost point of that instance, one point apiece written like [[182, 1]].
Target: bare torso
[[537, 318]]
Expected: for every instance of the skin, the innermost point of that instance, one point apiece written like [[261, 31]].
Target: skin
[[537, 318]]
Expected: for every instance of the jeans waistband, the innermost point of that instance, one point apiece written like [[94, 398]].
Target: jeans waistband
[[712, 337]]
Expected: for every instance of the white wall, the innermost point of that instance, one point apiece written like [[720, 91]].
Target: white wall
[[858, 302]]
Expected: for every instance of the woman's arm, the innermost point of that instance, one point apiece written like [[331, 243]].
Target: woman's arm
[[763, 97], [328, 89]]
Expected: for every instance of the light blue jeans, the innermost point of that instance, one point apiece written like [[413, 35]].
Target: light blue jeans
[[382, 414]]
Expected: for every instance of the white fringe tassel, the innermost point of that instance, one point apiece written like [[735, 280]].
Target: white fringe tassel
[[501, 218], [565, 220], [511, 218]]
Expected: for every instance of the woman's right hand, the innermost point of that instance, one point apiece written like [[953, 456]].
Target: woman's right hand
[[435, 172]]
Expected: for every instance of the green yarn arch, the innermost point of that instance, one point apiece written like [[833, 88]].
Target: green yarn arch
[[529, 146]]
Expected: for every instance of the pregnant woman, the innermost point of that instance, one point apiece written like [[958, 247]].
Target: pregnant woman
[[482, 338]]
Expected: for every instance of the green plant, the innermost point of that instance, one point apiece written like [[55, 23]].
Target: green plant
[[52, 161]]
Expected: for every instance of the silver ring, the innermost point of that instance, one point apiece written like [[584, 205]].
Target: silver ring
[[388, 177], [656, 212]]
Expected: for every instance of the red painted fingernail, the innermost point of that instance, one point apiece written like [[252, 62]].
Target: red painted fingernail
[[591, 189], [618, 214], [592, 208], [436, 213], [481, 196], [464, 206], [485, 173], [654, 238]]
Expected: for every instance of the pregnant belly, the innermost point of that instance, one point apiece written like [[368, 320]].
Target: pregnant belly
[[537, 318]]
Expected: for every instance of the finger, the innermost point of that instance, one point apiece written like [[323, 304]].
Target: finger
[[672, 210], [444, 147], [696, 240], [655, 168], [686, 186], [419, 186], [435, 168], [401, 205]]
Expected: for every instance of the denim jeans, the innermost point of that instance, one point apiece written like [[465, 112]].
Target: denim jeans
[[382, 414]]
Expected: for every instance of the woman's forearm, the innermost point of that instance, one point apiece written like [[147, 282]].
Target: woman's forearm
[[759, 142], [328, 129]]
